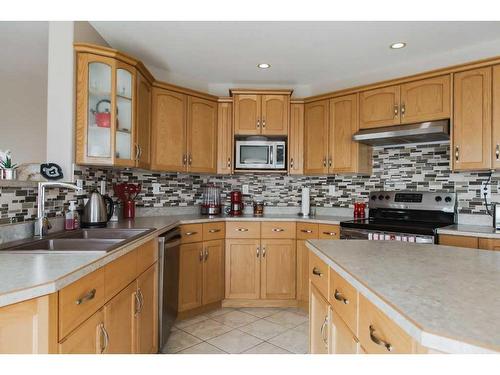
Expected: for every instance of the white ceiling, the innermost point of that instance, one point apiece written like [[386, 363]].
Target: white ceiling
[[310, 57]]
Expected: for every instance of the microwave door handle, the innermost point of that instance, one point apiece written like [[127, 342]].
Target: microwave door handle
[[271, 155]]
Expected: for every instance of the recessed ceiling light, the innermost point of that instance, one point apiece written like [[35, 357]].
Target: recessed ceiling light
[[264, 66], [398, 45]]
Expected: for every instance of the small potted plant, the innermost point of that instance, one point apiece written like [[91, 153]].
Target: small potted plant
[[8, 168]]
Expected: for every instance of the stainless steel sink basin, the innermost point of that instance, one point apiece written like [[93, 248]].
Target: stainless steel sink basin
[[83, 240]]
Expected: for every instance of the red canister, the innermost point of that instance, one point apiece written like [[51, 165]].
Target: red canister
[[129, 209]]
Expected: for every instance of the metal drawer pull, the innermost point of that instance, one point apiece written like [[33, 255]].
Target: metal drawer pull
[[87, 297], [322, 330], [339, 297], [206, 255], [104, 334], [306, 231], [213, 230], [378, 340], [317, 272], [330, 233], [278, 230], [497, 152], [242, 229], [190, 233]]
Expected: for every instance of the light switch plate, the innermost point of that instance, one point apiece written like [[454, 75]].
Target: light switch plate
[[244, 189], [486, 188], [156, 188], [331, 189]]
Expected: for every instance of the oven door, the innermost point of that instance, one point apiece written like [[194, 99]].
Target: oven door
[[254, 155]]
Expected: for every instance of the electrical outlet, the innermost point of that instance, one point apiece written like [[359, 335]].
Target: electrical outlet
[[79, 183], [331, 189], [485, 190], [244, 189], [103, 187], [156, 188]]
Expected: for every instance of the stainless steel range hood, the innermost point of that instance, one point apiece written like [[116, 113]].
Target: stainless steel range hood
[[424, 132]]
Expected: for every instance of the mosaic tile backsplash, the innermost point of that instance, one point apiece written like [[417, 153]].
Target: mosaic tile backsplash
[[421, 167]]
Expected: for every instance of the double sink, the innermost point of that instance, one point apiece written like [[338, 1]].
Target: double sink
[[83, 240]]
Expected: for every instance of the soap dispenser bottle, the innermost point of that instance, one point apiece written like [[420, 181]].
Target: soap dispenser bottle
[[69, 221]]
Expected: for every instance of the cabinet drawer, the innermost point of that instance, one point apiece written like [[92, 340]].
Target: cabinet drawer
[[191, 233], [119, 273], [307, 231], [80, 300], [459, 241], [378, 334], [489, 244], [214, 231], [318, 273], [243, 229], [344, 299], [147, 254], [329, 232], [277, 229]]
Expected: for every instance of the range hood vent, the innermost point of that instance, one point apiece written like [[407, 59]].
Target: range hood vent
[[424, 132]]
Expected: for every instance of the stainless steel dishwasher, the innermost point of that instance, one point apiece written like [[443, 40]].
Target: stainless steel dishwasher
[[168, 289]]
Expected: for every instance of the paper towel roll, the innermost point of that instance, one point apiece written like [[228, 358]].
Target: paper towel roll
[[305, 201]]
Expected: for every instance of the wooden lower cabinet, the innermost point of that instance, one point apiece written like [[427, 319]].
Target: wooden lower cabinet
[[319, 312], [146, 317], [341, 339], [278, 269], [213, 271], [459, 241], [302, 272], [242, 263], [489, 244], [190, 276], [118, 321], [88, 338]]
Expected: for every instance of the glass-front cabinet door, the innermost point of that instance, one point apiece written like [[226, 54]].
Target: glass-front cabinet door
[[104, 113]]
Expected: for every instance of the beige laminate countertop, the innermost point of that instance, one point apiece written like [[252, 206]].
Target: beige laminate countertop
[[446, 298], [24, 276], [470, 230]]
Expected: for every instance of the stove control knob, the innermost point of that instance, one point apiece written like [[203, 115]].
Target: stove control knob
[[381, 197], [387, 197], [374, 197], [447, 199], [438, 198]]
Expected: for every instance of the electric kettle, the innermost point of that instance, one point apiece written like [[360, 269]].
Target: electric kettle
[[97, 211]]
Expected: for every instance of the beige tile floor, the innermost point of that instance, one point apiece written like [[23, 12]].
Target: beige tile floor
[[257, 330]]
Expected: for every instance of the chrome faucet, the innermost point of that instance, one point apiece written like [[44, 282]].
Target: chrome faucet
[[42, 224]]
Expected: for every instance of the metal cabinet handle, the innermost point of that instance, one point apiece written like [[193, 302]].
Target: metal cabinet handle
[[340, 297], [213, 230], [316, 271], [190, 161], [206, 255], [330, 233], [278, 230], [263, 252], [140, 151], [403, 110], [306, 231], [396, 110], [137, 303], [322, 330], [137, 152], [229, 162], [184, 159], [105, 335], [242, 229], [87, 297], [201, 255], [258, 124], [324, 162], [378, 340], [141, 299], [330, 162], [190, 233], [497, 151], [258, 252], [456, 153], [263, 123], [291, 163]]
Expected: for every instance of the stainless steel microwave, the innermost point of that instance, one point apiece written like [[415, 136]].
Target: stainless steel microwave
[[260, 154]]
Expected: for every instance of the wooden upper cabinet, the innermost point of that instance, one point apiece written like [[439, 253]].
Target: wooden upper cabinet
[[274, 117], [345, 155], [201, 135], [190, 276], [379, 107], [296, 139], [471, 146], [278, 269], [143, 122], [225, 138], [247, 110], [242, 268], [316, 118], [496, 118], [213, 271], [426, 100], [169, 131]]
